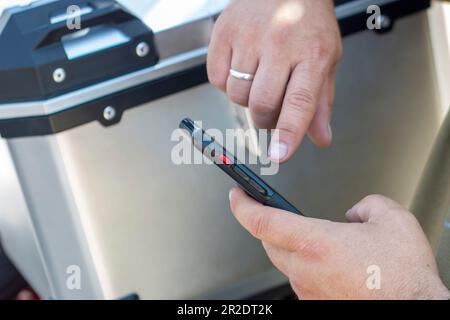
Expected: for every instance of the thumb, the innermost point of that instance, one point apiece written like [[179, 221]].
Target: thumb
[[277, 227]]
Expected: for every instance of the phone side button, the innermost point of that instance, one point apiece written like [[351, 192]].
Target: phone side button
[[241, 173], [258, 188]]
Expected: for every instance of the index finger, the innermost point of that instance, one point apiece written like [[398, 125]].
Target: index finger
[[298, 109]]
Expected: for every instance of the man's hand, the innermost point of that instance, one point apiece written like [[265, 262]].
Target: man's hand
[[292, 47], [328, 260]]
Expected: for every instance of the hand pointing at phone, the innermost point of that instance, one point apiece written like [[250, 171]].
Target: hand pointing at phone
[[279, 59]]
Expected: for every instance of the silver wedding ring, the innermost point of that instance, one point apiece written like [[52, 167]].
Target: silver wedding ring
[[241, 75]]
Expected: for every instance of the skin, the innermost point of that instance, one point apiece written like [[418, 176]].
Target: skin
[[329, 260], [292, 47]]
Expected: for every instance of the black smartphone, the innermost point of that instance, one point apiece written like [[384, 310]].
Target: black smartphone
[[246, 178]]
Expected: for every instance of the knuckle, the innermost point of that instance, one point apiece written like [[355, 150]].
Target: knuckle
[[238, 98], [262, 106], [373, 203], [289, 129], [301, 100], [374, 199], [259, 224], [216, 79], [222, 26], [380, 200], [320, 49], [383, 206], [247, 39], [405, 217], [280, 38], [300, 108], [313, 250]]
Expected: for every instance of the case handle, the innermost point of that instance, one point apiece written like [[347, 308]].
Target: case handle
[[109, 15]]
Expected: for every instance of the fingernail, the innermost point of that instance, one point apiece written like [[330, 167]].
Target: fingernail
[[278, 151], [330, 132]]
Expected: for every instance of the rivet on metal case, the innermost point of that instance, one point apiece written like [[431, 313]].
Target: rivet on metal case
[[109, 113], [59, 75], [142, 49]]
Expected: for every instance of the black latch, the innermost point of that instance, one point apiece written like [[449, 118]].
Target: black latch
[[51, 48]]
